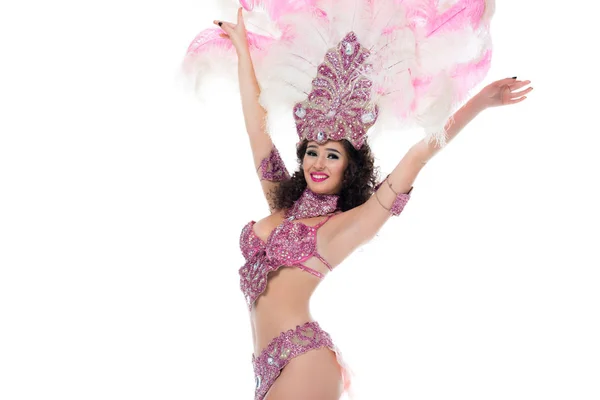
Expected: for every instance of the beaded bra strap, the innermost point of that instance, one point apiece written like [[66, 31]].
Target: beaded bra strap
[[272, 168], [399, 202]]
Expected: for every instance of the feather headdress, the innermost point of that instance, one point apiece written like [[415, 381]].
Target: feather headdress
[[418, 60]]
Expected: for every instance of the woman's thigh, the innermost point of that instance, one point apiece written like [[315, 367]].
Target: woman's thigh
[[314, 375]]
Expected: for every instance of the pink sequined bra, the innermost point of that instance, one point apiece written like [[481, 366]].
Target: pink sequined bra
[[290, 244]]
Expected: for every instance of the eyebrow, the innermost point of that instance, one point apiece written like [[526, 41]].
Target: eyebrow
[[312, 146]]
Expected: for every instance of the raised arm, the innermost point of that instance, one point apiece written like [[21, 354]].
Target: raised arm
[[360, 224], [267, 162]]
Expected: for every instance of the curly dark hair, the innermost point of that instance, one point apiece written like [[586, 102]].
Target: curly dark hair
[[360, 179]]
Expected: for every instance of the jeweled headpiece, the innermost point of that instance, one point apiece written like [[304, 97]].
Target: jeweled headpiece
[[339, 105], [416, 62]]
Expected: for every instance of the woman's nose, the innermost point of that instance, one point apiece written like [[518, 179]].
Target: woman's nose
[[320, 163]]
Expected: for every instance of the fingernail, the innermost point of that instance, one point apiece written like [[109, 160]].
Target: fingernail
[[514, 77], [220, 23]]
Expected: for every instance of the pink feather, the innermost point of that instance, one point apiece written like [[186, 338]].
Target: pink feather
[[427, 54], [278, 8], [460, 15], [466, 76], [209, 41]]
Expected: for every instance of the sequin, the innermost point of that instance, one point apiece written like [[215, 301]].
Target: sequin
[[312, 204], [272, 168], [399, 202], [288, 245], [292, 343], [340, 97]]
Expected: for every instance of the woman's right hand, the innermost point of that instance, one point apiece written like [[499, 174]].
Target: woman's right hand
[[235, 32]]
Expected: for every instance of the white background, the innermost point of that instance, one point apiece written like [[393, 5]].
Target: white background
[[122, 198]]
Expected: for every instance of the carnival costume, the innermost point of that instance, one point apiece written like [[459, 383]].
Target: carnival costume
[[340, 66]]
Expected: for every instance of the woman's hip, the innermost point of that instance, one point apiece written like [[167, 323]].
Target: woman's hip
[[290, 344]]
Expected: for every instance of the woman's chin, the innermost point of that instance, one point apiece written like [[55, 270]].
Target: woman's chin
[[318, 188], [321, 188]]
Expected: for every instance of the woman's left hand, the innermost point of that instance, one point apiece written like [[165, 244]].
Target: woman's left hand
[[503, 92]]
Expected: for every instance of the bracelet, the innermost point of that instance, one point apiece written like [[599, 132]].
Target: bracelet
[[392, 189], [399, 202], [390, 185], [377, 197]]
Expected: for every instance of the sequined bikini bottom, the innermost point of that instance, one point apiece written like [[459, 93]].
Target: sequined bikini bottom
[[282, 349]]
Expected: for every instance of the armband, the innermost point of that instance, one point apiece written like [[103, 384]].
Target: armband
[[272, 168]]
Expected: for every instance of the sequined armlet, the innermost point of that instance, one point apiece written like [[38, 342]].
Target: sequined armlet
[[399, 202], [272, 168]]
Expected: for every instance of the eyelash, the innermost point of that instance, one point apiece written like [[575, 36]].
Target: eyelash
[[313, 154]]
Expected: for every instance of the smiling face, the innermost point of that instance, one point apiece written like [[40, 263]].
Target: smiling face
[[324, 166]]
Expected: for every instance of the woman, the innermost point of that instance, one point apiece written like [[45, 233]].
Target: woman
[[322, 213]]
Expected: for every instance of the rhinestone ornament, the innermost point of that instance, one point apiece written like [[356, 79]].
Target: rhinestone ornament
[[288, 345], [367, 118], [340, 97], [288, 245], [348, 49], [300, 112]]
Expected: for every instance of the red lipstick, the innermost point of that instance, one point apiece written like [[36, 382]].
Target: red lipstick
[[318, 177]]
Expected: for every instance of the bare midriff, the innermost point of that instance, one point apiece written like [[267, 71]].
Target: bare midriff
[[282, 306]]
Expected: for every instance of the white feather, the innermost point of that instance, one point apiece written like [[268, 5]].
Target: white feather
[[219, 62], [384, 15], [287, 72], [439, 53], [435, 107], [490, 9], [395, 33]]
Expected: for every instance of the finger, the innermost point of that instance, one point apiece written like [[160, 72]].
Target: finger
[[519, 84], [507, 81], [224, 25], [514, 101], [505, 91], [240, 17], [248, 5], [521, 93]]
